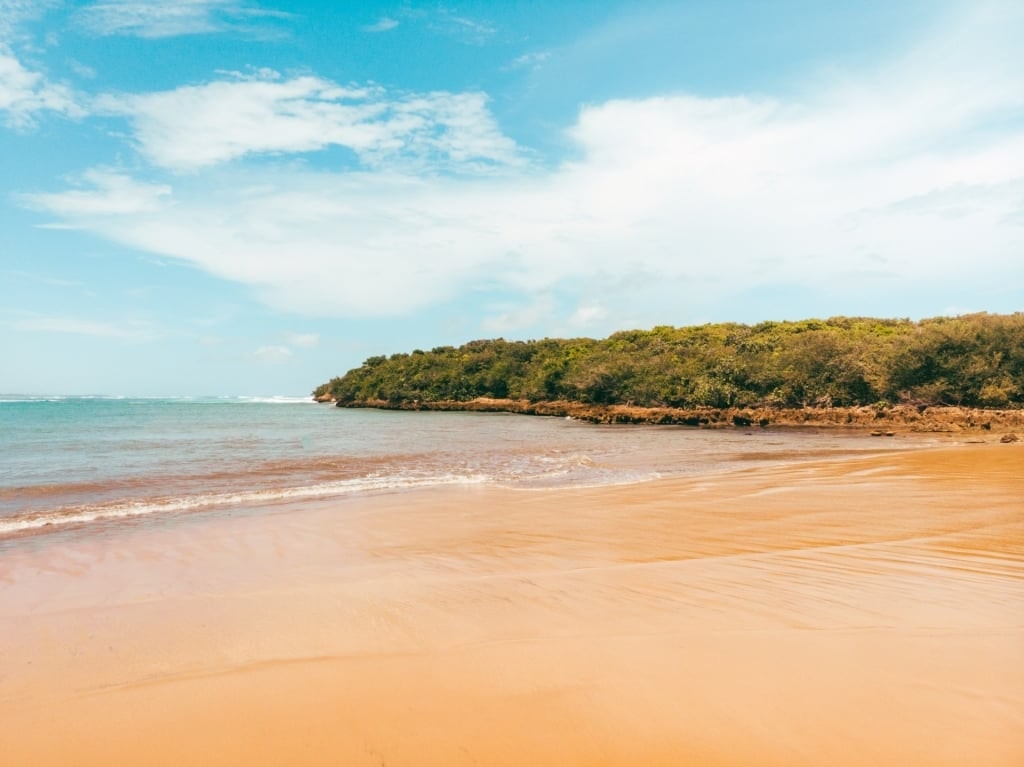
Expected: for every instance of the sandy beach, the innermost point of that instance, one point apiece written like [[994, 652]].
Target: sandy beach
[[847, 611]]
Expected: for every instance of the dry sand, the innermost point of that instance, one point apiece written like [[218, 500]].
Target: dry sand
[[863, 611]]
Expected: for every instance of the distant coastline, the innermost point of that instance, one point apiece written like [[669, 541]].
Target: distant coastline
[[942, 375]]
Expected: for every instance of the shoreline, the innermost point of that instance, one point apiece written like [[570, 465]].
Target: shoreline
[[897, 418], [827, 610], [735, 448]]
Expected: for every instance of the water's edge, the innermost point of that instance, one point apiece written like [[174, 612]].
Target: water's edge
[[881, 418]]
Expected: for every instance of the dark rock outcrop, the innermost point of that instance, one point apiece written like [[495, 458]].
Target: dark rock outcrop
[[886, 422]]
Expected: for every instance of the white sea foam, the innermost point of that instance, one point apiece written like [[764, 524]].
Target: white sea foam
[[121, 510], [549, 480], [32, 398]]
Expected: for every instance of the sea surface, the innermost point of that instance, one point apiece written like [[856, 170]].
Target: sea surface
[[67, 463]]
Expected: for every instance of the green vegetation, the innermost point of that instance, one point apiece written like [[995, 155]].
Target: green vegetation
[[975, 360]]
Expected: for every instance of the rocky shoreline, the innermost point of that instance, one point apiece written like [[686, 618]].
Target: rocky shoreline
[[879, 420]]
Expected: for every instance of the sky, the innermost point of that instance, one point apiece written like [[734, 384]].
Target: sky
[[248, 197]]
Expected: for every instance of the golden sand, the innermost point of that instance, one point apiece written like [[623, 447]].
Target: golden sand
[[841, 612]]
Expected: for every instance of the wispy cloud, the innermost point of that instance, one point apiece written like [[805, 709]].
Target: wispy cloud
[[587, 315], [469, 30], [105, 193], [82, 70], [443, 20], [533, 60], [14, 13], [148, 19], [196, 126], [512, 318], [304, 340], [24, 93], [83, 327], [45, 279], [669, 204], [383, 24], [439, 20], [272, 355]]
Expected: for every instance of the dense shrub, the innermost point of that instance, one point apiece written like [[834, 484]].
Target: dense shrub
[[973, 360]]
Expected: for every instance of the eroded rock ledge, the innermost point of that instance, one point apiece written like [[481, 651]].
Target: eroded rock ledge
[[899, 418]]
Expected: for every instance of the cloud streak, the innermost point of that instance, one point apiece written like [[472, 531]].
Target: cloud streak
[[532, 61], [193, 127], [463, 28], [82, 327], [147, 19], [383, 24], [104, 193]]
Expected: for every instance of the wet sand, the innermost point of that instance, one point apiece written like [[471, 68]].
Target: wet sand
[[842, 612]]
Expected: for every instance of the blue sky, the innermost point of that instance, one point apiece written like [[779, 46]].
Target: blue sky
[[249, 196]]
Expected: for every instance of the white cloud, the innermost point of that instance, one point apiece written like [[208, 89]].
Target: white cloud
[[82, 70], [509, 319], [383, 24], [24, 93], [272, 355], [108, 193], [13, 13], [586, 315], [901, 179], [196, 126], [149, 19], [533, 60]]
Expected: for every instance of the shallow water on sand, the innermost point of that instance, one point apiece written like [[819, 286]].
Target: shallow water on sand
[[66, 462]]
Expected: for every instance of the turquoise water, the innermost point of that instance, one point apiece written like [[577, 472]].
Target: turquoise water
[[68, 461]]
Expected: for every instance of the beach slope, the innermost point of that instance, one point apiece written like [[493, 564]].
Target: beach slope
[[844, 611]]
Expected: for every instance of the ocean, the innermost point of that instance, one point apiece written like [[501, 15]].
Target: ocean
[[69, 463]]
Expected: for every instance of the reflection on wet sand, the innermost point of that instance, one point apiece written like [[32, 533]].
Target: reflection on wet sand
[[844, 612]]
